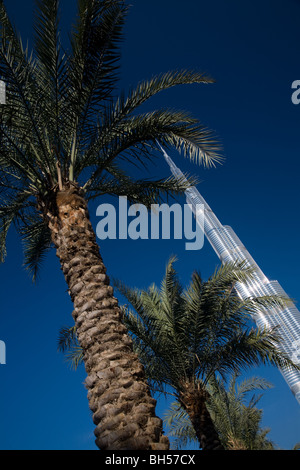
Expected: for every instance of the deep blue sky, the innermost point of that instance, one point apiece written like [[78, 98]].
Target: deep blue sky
[[252, 50]]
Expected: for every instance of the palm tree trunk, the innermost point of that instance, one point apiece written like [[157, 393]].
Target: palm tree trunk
[[118, 393], [193, 399]]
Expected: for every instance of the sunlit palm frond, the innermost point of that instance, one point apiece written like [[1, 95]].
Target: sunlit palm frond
[[134, 140], [141, 191], [146, 89]]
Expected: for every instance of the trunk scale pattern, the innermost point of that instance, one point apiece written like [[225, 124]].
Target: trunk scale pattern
[[193, 398], [118, 393]]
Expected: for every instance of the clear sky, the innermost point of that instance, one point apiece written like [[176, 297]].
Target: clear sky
[[252, 50]]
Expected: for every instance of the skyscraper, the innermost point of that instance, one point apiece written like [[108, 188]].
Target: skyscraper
[[229, 248]]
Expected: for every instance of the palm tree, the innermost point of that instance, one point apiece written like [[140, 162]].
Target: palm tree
[[238, 423], [64, 137], [185, 337]]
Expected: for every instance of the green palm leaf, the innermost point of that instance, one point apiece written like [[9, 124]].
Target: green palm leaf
[[68, 344], [37, 242], [202, 329]]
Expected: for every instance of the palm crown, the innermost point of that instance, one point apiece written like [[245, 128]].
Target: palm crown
[[189, 335], [65, 126]]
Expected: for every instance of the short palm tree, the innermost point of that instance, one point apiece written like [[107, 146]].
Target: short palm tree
[[185, 337], [238, 422], [65, 138]]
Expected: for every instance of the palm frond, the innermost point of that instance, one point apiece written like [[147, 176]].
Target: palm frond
[[149, 88], [47, 42], [12, 209], [51, 71], [95, 50], [253, 347], [92, 66], [179, 427], [119, 131], [152, 334], [68, 344], [144, 191], [158, 327], [37, 242], [135, 140]]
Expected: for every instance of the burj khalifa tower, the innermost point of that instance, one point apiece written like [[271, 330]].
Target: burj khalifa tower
[[229, 248]]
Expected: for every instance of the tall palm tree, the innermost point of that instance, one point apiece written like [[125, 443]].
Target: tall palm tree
[[185, 337], [238, 422], [64, 137]]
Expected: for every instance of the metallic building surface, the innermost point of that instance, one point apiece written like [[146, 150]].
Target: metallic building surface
[[229, 248]]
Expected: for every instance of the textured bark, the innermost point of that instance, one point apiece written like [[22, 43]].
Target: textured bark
[[118, 393], [193, 398]]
